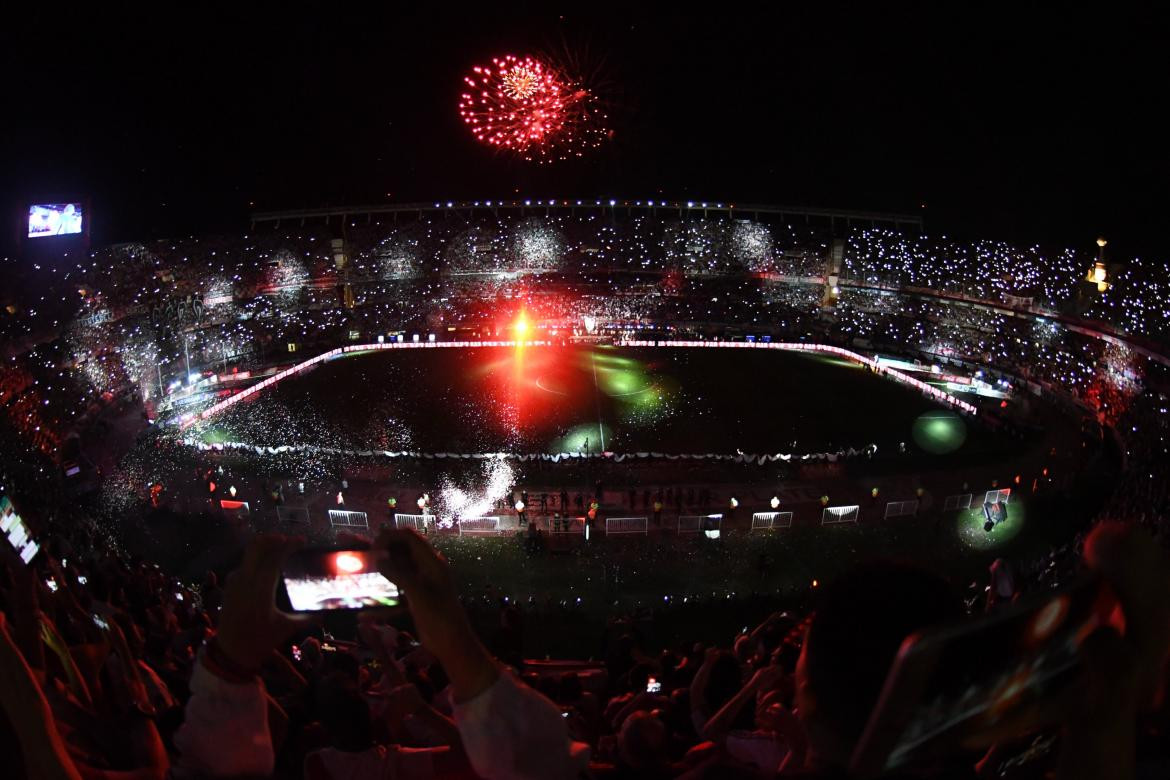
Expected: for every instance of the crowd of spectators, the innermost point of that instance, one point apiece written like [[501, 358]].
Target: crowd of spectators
[[142, 317], [1136, 299], [110, 668], [1038, 350]]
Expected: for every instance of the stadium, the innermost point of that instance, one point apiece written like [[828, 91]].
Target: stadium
[[677, 410], [672, 369], [578, 472]]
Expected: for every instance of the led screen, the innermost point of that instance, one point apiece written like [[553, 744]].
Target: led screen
[[54, 219], [16, 531]]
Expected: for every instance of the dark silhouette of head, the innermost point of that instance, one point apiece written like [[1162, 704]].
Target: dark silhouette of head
[[860, 623]]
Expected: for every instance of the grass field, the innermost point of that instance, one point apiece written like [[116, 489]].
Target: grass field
[[658, 400], [583, 398]]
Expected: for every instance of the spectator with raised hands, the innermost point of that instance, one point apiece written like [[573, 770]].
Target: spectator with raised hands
[[226, 730], [508, 730], [29, 715]]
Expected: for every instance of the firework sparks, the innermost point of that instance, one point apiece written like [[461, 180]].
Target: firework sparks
[[528, 107], [521, 81]]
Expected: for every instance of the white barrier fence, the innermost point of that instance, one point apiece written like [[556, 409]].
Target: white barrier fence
[[693, 524], [341, 518], [998, 496], [417, 522], [479, 526], [292, 514], [835, 515], [957, 502], [566, 525], [765, 521], [627, 525], [901, 509]]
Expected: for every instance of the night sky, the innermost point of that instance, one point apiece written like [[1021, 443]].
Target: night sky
[[1034, 128]]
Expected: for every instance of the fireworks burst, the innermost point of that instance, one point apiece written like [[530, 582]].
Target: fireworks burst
[[532, 108], [521, 81]]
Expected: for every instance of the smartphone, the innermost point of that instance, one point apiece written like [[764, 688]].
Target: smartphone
[[51, 584], [653, 686], [296, 653], [953, 686], [100, 622], [179, 596], [82, 579], [323, 580]]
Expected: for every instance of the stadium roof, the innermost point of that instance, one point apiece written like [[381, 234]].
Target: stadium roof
[[688, 207]]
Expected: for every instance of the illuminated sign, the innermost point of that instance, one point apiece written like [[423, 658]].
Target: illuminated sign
[[54, 219]]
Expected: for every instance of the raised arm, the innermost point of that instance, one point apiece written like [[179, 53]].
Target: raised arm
[[30, 716], [226, 731], [719, 724], [509, 731]]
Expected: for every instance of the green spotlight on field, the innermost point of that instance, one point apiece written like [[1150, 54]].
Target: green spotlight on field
[[939, 432], [580, 435], [970, 527], [622, 384], [216, 435]]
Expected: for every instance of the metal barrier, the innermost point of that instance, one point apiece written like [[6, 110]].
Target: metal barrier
[[956, 502], [341, 518], [901, 509], [417, 522], [627, 525], [765, 521], [566, 525], [693, 524], [998, 496], [834, 515], [481, 526]]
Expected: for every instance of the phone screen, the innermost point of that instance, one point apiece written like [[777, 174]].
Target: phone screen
[[320, 580], [952, 686], [653, 686]]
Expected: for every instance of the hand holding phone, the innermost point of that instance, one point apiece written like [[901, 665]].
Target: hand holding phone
[[250, 624]]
